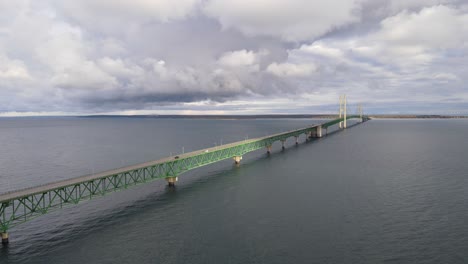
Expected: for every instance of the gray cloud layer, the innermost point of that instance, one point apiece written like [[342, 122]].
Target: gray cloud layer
[[221, 56]]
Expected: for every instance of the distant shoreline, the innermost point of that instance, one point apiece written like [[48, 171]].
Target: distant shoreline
[[297, 116], [293, 116], [416, 117], [236, 117]]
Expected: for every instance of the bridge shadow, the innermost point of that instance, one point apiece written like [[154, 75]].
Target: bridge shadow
[[338, 130], [4, 249]]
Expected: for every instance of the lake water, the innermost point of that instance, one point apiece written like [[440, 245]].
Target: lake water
[[386, 191]]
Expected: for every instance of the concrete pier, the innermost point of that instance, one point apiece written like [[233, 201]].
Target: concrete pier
[[269, 149], [171, 180], [297, 140], [282, 144], [237, 159], [318, 132], [4, 238]]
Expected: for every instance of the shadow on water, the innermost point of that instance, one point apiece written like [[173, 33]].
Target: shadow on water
[[4, 252], [337, 130]]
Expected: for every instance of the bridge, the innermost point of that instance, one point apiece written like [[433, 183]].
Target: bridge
[[20, 206]]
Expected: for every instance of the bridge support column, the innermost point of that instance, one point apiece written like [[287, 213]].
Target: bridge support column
[[282, 144], [269, 149], [171, 180], [4, 238], [297, 140], [237, 159], [318, 132]]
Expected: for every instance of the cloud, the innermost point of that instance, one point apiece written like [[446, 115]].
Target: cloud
[[322, 50], [408, 39], [436, 27], [111, 16], [13, 69], [225, 56], [238, 58], [290, 20], [291, 70], [119, 68], [73, 78], [241, 60], [445, 77]]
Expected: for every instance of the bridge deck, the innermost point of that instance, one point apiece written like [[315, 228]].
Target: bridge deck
[[60, 184]]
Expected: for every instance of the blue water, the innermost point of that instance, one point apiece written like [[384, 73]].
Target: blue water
[[385, 191]]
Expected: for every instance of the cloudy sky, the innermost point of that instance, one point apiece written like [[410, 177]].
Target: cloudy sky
[[232, 57]]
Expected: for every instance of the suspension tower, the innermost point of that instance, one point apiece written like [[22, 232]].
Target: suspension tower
[[343, 113], [359, 112]]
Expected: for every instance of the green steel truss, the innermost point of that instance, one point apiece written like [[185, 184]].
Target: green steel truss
[[22, 208]]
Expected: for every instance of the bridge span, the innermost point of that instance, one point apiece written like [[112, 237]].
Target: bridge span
[[17, 207]]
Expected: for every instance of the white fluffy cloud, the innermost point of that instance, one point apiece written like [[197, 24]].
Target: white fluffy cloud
[[112, 16], [12, 69], [418, 38], [433, 27], [238, 58], [242, 60], [291, 20], [412, 56], [291, 70]]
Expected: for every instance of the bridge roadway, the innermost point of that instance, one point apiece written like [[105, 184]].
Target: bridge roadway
[[17, 207]]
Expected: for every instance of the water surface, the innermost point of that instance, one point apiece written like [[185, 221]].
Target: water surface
[[387, 191]]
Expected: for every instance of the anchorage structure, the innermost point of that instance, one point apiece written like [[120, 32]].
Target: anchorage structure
[[21, 206]]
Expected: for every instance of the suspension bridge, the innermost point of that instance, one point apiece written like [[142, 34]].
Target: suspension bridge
[[17, 207]]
